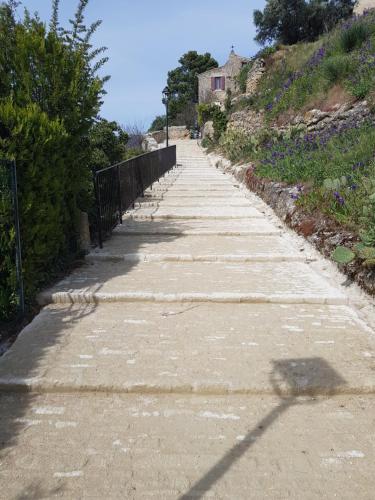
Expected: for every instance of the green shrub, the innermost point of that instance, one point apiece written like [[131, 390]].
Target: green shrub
[[50, 95], [337, 67], [354, 36], [241, 78], [220, 122], [205, 113]]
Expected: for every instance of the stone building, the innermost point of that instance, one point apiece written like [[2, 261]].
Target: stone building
[[364, 4], [214, 83]]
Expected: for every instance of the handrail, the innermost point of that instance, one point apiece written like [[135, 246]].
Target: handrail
[[118, 186]]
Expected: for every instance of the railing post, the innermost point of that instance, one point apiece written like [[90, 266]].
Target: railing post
[[21, 291], [119, 194], [98, 208]]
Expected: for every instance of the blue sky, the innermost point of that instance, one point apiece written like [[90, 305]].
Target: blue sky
[[146, 38]]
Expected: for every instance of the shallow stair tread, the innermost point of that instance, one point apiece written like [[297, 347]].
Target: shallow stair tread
[[205, 348], [294, 279]]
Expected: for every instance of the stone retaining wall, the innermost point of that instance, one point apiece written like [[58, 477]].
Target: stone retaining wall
[[250, 122]]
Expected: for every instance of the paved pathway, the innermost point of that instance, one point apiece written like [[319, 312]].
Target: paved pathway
[[198, 355]]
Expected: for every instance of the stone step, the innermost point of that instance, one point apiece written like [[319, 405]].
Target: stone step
[[140, 213], [206, 247], [260, 282], [196, 227], [254, 349], [200, 195], [167, 447], [192, 202]]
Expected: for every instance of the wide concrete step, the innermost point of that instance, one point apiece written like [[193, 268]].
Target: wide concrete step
[[257, 349], [222, 212], [167, 447], [278, 282], [198, 194], [168, 202], [196, 227], [222, 248]]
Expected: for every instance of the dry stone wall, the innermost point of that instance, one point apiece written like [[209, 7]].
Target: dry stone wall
[[250, 122], [254, 76]]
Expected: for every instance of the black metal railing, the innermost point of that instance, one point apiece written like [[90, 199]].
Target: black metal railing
[[118, 186], [10, 242]]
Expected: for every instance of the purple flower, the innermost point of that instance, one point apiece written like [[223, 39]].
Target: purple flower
[[340, 200]]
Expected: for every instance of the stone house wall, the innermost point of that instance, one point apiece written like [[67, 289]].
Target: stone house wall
[[363, 5], [227, 73]]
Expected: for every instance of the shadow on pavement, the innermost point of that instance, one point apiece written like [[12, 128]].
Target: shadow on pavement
[[49, 331], [292, 380]]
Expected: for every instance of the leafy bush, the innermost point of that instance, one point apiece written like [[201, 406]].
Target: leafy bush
[[205, 113], [241, 78], [158, 124], [337, 67], [220, 122], [50, 95], [354, 36], [292, 21]]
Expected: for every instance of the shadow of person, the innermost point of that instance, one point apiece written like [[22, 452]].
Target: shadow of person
[[292, 380]]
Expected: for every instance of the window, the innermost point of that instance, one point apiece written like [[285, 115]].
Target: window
[[217, 82]]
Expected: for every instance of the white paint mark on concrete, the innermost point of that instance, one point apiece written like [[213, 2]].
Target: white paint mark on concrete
[[85, 356], [117, 443], [292, 328], [28, 421], [49, 410], [78, 366], [223, 416], [324, 342], [250, 344], [106, 351], [168, 374], [74, 473], [64, 425], [367, 354], [351, 454], [135, 321], [130, 362]]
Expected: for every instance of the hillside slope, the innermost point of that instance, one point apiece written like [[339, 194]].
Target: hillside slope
[[308, 123]]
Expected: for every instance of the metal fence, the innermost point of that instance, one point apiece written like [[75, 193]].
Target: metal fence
[[10, 242], [118, 186]]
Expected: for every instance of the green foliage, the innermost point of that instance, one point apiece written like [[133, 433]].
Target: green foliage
[[107, 144], [50, 95], [183, 84], [343, 255], [337, 67], [228, 101], [353, 37], [207, 142], [158, 124], [220, 122], [292, 21], [303, 74], [241, 78], [239, 147], [205, 113]]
